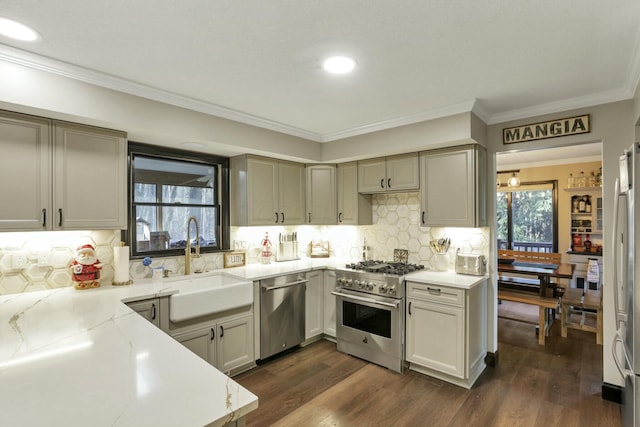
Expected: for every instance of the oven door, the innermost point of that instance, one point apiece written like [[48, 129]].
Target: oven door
[[370, 327]]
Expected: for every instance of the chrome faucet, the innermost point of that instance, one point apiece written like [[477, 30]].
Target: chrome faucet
[[187, 251]]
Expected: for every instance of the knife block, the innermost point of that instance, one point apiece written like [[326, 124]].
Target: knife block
[[287, 251]]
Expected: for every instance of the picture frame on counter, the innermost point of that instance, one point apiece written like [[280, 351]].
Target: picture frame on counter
[[235, 259]]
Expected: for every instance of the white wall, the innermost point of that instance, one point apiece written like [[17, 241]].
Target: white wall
[[613, 125]]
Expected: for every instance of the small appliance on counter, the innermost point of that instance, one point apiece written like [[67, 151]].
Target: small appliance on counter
[[287, 249], [472, 264]]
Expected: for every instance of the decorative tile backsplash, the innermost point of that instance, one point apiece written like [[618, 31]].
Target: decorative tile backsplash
[[34, 261]]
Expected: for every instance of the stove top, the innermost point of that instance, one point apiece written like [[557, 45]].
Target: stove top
[[385, 267]]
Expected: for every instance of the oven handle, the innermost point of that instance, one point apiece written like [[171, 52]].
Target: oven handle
[[369, 300], [285, 285]]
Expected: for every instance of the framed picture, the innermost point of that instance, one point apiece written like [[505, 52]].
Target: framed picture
[[235, 259]]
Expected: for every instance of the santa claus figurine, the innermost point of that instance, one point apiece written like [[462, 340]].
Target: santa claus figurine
[[85, 268]]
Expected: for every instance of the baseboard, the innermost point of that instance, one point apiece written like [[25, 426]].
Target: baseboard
[[612, 392], [491, 359]]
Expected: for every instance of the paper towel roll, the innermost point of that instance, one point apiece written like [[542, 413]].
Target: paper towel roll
[[121, 265]]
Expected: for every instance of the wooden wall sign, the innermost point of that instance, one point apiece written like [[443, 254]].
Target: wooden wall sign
[[234, 259], [549, 129]]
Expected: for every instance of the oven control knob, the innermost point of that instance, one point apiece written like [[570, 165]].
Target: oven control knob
[[383, 288], [392, 290], [341, 281], [356, 283], [369, 286], [348, 283], [361, 285]]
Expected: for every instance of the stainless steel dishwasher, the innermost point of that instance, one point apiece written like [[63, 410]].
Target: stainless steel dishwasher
[[282, 313]]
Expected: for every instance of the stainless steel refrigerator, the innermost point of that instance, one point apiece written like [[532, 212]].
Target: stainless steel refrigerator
[[626, 346]]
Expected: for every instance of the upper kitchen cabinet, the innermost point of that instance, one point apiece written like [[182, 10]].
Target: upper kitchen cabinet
[[25, 172], [321, 194], [84, 154], [267, 191], [396, 173], [453, 187], [354, 208], [48, 169]]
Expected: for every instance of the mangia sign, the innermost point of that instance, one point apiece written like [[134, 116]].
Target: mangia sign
[[549, 129]]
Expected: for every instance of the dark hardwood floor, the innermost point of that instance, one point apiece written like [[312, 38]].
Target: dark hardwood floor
[[558, 384]]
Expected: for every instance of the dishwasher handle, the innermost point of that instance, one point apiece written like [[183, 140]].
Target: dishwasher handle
[[284, 285]]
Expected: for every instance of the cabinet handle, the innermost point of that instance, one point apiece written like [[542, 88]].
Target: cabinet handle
[[60, 217], [434, 290], [213, 334], [423, 217], [389, 183], [339, 216], [221, 331], [276, 217], [282, 213], [382, 183], [153, 311], [309, 217], [44, 217], [409, 308]]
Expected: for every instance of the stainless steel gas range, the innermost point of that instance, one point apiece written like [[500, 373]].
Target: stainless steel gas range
[[370, 301]]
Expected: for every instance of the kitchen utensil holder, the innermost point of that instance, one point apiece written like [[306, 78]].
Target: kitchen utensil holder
[[442, 261]]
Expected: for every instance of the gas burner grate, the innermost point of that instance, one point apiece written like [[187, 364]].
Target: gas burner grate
[[386, 267]]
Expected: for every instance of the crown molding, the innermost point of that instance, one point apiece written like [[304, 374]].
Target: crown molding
[[463, 107], [53, 66]]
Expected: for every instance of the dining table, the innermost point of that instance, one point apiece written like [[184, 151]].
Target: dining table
[[544, 272]]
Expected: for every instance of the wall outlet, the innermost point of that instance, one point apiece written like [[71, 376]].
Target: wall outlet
[[19, 259], [44, 259]]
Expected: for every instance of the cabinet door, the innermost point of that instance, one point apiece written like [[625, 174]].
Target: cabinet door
[[329, 303], [353, 208], [321, 194], [403, 172], [448, 196], [149, 309], [291, 189], [201, 341], [262, 191], [25, 173], [314, 307], [435, 337], [89, 178], [235, 343], [372, 176]]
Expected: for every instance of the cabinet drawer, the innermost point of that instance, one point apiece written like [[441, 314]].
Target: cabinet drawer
[[436, 293]]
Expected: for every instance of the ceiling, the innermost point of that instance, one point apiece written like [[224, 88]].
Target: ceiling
[[259, 62]]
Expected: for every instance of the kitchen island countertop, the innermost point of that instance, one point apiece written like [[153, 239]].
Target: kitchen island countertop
[[78, 358]]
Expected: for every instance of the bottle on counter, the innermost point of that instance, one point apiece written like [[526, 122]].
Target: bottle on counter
[[587, 244]]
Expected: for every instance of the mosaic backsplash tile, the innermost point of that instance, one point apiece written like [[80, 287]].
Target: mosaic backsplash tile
[[396, 225]]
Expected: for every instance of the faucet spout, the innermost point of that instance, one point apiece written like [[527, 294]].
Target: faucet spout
[[187, 251]]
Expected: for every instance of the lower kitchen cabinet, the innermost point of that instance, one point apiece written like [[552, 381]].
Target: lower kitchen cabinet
[[225, 342], [446, 331], [329, 303], [314, 304], [148, 308]]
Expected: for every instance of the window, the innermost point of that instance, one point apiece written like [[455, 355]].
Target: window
[[527, 217], [167, 187]]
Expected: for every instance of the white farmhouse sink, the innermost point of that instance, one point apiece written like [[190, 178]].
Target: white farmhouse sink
[[200, 296]]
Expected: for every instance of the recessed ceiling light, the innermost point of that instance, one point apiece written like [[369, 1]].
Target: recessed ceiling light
[[339, 65], [16, 30]]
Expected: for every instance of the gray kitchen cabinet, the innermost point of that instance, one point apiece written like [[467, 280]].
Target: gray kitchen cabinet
[[53, 161], [446, 331], [354, 208], [266, 191], [395, 173], [148, 308], [225, 340], [321, 194], [314, 304], [329, 304], [453, 188]]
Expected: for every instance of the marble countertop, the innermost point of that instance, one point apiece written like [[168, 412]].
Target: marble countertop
[[446, 278], [71, 357]]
